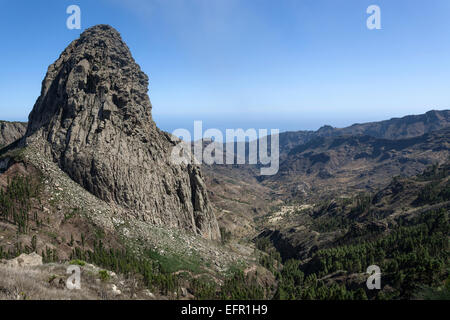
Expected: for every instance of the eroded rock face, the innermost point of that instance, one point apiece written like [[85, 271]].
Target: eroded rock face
[[11, 131], [96, 115]]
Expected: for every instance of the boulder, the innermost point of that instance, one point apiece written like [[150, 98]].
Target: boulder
[[25, 260]]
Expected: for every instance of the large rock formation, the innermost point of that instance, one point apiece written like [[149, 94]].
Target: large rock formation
[[11, 131], [95, 113]]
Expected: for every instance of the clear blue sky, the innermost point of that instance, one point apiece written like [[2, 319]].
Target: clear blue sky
[[287, 64]]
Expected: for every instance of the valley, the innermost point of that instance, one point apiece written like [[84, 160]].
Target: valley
[[88, 182]]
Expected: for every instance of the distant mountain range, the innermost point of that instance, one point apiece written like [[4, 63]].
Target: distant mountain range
[[395, 128], [333, 162], [333, 165], [323, 163]]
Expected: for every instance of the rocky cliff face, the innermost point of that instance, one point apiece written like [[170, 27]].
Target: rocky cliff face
[[95, 114], [11, 131]]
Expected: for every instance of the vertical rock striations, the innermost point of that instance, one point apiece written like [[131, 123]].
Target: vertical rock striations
[[95, 113]]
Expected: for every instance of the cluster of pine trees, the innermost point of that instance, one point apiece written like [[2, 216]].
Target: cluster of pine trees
[[433, 193], [156, 277], [16, 202], [271, 258], [240, 287], [437, 190], [128, 264], [414, 254], [324, 222], [237, 286]]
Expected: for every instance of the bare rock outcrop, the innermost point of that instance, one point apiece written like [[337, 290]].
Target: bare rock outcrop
[[95, 114], [25, 260], [11, 131]]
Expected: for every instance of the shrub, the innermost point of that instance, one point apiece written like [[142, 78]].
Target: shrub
[[78, 262], [104, 275]]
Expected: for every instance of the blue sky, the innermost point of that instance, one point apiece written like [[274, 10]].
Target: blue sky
[[286, 64]]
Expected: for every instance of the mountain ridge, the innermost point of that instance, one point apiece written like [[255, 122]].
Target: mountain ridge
[[394, 128]]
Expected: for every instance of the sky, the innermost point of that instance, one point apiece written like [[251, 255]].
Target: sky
[[285, 64]]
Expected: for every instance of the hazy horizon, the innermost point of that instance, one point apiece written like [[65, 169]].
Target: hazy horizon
[[172, 122]]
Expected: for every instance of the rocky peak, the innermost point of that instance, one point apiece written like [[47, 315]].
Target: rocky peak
[[325, 130], [95, 69], [95, 114]]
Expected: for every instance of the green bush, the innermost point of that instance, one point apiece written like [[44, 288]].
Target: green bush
[[78, 262], [104, 275]]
